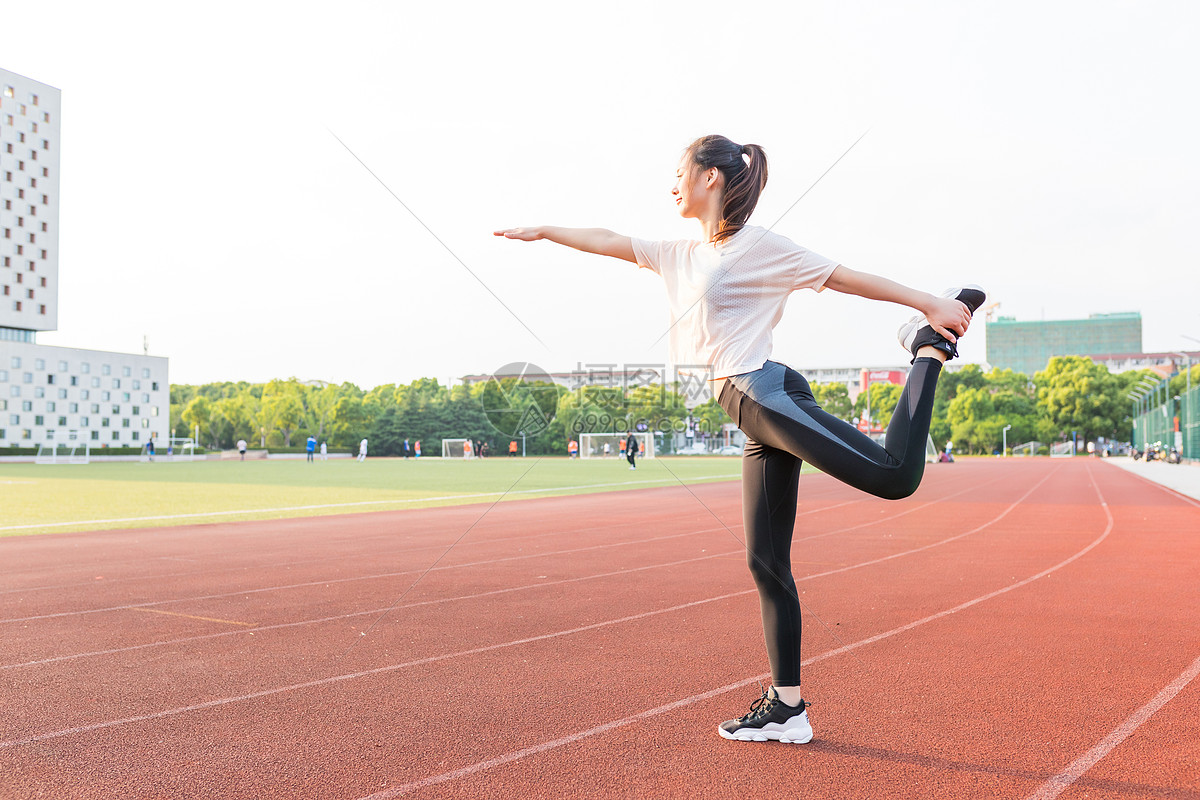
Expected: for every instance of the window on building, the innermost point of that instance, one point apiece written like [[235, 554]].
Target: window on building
[[145, 372], [3, 405], [3, 376], [39, 420], [125, 396], [105, 369], [50, 406], [27, 377], [135, 411], [16, 362], [124, 423], [73, 408], [116, 383], [154, 386], [39, 363], [116, 437], [27, 434], [14, 419], [135, 436], [137, 384], [125, 372], [85, 368], [95, 383], [84, 394], [104, 422], [145, 397], [105, 396], [50, 379], [27, 405], [9, 91], [38, 391], [15, 391], [62, 394], [83, 422], [116, 409], [95, 435], [62, 420], [74, 380], [95, 408], [145, 422]]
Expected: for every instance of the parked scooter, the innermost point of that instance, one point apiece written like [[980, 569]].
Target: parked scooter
[[1172, 456]]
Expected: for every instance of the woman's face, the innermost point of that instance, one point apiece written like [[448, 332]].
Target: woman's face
[[694, 188]]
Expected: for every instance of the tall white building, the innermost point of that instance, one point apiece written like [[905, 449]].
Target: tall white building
[[109, 399]]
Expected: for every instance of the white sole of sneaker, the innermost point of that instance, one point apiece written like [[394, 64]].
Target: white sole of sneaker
[[772, 732]]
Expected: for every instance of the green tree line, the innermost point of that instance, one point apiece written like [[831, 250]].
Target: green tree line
[[1072, 396]]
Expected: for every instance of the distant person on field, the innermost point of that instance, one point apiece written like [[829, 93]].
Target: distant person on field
[[150, 447], [621, 448], [324, 452], [241, 446], [607, 450], [310, 447], [512, 448], [631, 448], [573, 449], [467, 448], [417, 448], [362, 450], [407, 450]]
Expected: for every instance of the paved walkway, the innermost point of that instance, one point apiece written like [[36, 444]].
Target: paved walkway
[[1183, 478]]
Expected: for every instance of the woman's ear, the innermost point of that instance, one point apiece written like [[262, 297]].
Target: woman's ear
[[711, 177]]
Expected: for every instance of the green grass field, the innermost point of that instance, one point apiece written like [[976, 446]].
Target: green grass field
[[38, 499]]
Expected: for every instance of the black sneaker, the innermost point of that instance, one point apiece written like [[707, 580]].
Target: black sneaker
[[916, 333], [770, 718]]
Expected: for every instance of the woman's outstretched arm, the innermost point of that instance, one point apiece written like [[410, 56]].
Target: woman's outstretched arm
[[945, 315], [590, 240]]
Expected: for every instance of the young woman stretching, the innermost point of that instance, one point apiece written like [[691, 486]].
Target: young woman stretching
[[726, 294]]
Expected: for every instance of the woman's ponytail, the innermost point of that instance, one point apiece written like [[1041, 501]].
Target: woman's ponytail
[[744, 168]]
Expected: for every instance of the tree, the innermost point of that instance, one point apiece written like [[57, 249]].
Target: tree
[[1075, 394], [834, 398], [198, 413]]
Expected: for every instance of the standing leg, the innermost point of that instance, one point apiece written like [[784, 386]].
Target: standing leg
[[770, 482]]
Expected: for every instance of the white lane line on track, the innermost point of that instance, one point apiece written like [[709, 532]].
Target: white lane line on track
[[473, 651], [1173, 492], [456, 566], [371, 611], [397, 501], [462, 772], [330, 581], [1074, 771], [520, 588]]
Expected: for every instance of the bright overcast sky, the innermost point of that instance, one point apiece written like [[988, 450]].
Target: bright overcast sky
[[1047, 151]]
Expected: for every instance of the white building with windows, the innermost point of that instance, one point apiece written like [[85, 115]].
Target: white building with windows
[[46, 393]]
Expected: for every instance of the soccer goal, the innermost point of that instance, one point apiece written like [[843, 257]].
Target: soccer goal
[[179, 448], [1027, 449], [932, 456], [591, 445], [453, 448], [1062, 449], [74, 450]]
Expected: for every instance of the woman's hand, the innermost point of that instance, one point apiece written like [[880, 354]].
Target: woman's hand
[[600, 241], [948, 316], [523, 234]]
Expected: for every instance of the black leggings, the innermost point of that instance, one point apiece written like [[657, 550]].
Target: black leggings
[[784, 427]]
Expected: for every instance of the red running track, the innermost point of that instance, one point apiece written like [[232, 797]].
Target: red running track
[[1016, 629]]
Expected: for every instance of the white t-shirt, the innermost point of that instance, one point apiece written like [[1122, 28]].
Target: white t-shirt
[[726, 298]]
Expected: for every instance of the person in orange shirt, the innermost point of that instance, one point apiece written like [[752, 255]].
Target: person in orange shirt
[[573, 449], [512, 448]]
